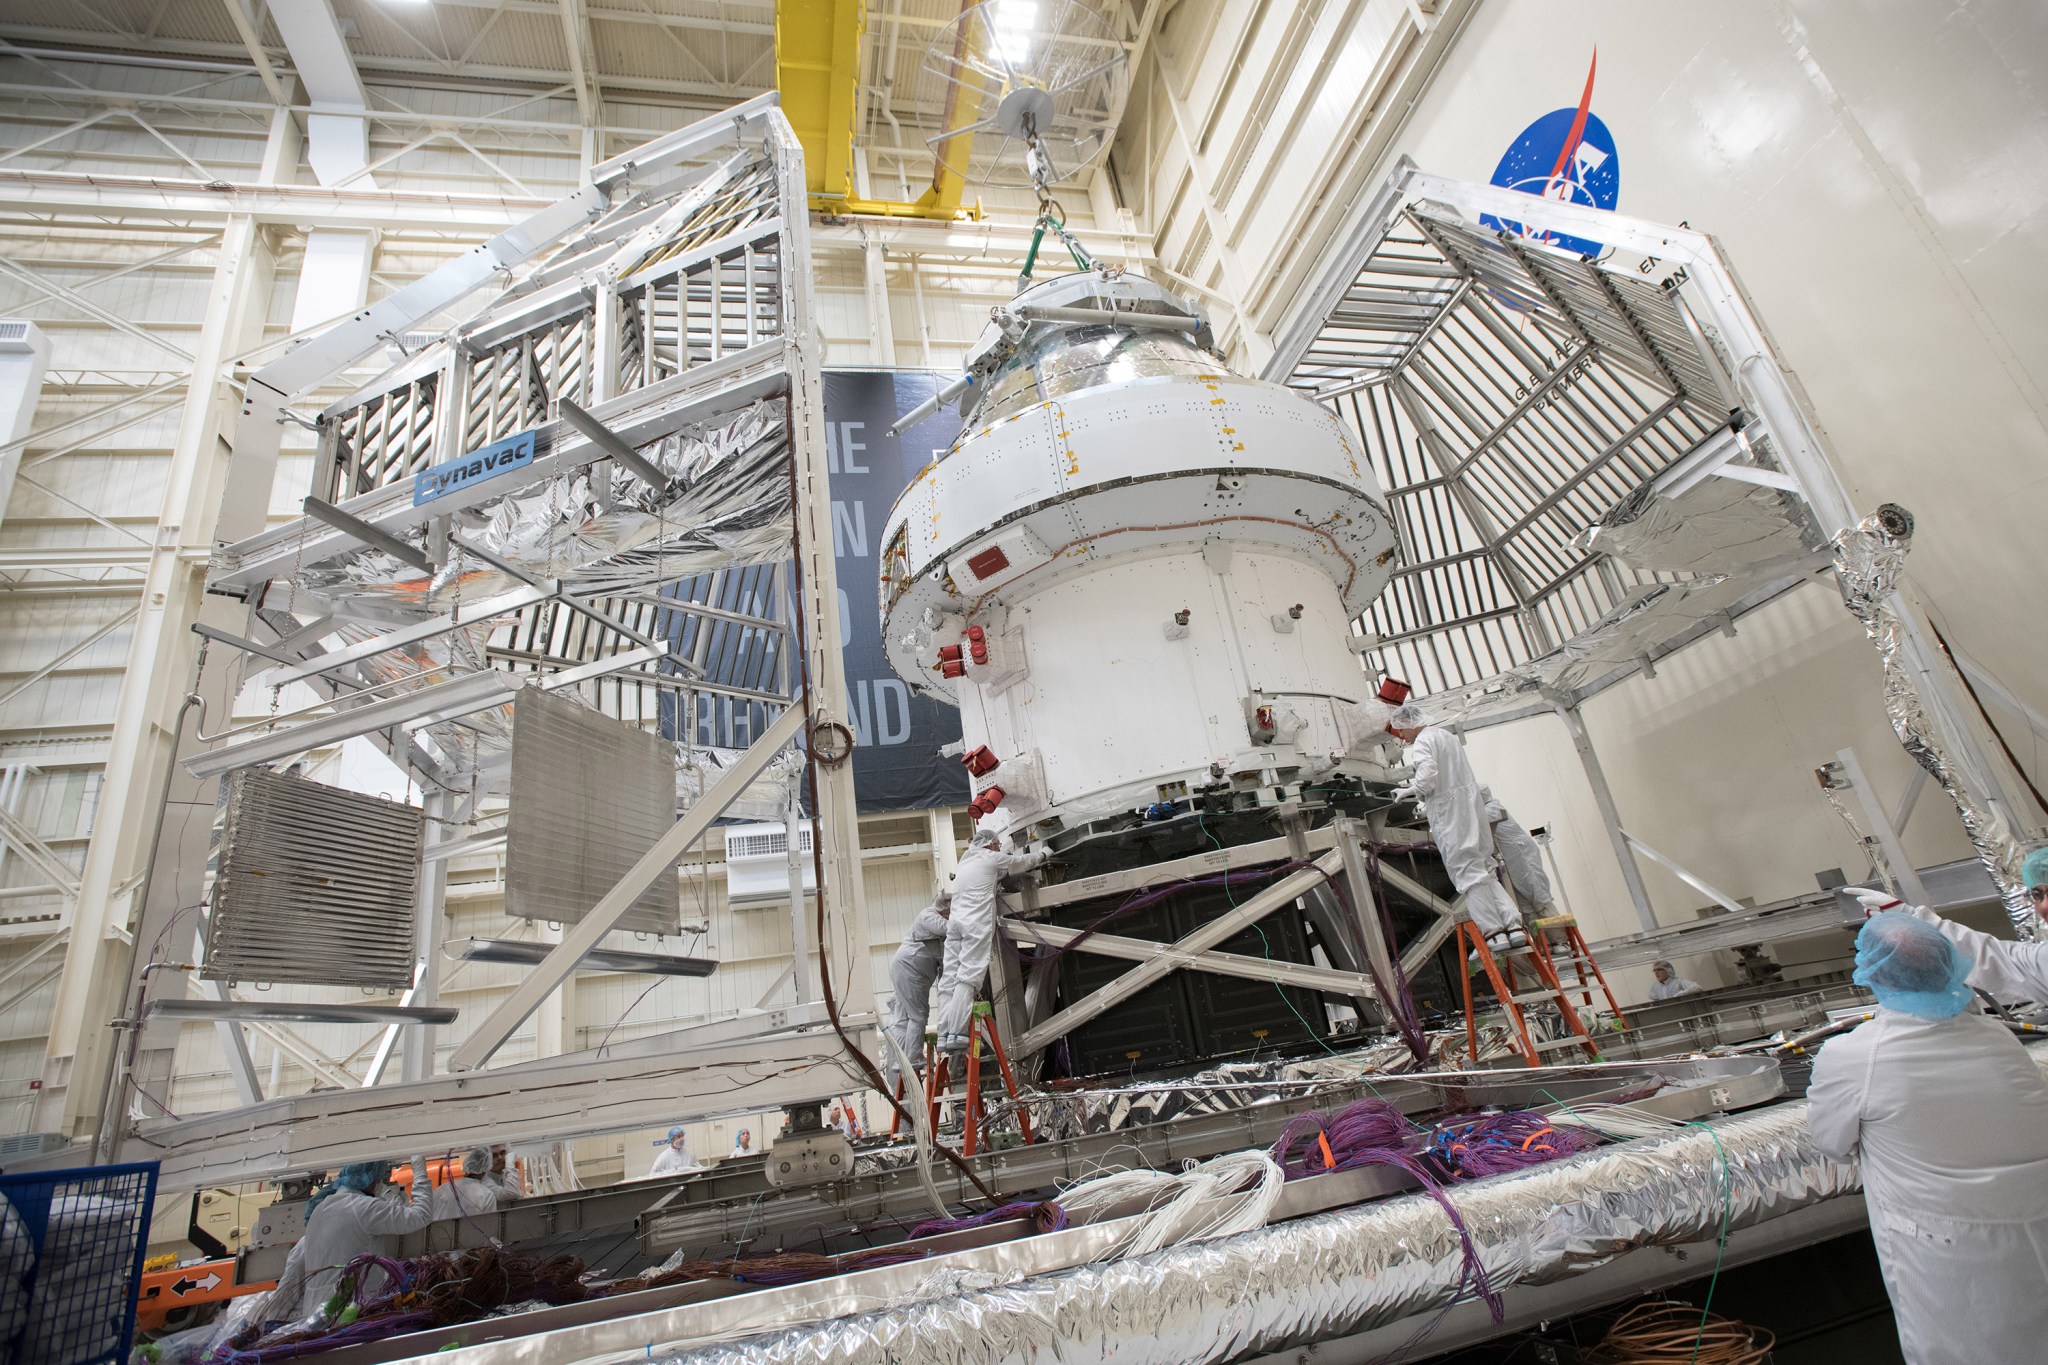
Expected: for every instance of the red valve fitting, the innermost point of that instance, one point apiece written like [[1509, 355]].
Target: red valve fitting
[[981, 762]]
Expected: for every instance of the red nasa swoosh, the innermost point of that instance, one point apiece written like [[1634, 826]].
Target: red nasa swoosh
[[1575, 136]]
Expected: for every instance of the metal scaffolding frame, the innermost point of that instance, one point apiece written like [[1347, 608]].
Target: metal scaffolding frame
[[1512, 394], [670, 293]]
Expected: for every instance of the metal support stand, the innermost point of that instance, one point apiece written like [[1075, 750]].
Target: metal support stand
[[1609, 815], [801, 944], [1882, 829]]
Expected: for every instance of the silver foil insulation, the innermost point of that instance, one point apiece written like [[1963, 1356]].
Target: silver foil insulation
[[1870, 557], [1332, 1274]]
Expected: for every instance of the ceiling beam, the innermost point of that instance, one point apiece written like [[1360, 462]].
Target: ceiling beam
[[441, 72]]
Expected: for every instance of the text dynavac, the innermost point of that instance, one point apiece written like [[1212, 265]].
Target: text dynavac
[[514, 452]]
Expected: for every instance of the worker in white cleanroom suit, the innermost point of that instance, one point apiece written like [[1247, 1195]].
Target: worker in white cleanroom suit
[[1451, 801], [676, 1158], [469, 1193], [504, 1177], [971, 931], [345, 1220], [1669, 985], [1949, 1116], [912, 973], [2011, 972], [1519, 856]]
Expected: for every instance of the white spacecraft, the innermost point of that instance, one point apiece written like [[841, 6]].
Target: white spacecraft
[[1134, 571]]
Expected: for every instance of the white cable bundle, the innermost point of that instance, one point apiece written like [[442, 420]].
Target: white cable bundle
[[1616, 1120], [1223, 1196]]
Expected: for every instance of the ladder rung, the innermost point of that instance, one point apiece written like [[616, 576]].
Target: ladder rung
[[1528, 996], [1570, 1040]]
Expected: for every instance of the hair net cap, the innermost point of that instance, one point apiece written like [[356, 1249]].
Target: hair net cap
[[985, 838], [674, 1133], [2034, 871], [357, 1175], [476, 1162], [1660, 962], [1408, 716], [1911, 966]]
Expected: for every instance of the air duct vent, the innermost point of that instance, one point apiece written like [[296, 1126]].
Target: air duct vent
[[316, 885], [590, 795]]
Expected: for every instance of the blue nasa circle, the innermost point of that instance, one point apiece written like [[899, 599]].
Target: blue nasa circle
[[1593, 177]]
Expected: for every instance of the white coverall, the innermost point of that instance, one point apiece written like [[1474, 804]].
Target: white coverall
[[347, 1224], [1950, 1117], [911, 974], [505, 1185], [971, 932], [1457, 822], [669, 1161], [1675, 987], [2011, 972], [1519, 855], [464, 1197]]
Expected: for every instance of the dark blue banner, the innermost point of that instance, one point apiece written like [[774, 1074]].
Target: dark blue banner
[[896, 764]]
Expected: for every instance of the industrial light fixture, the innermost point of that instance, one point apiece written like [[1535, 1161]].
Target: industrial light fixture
[[1013, 21]]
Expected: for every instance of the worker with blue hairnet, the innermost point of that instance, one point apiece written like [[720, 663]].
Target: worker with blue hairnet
[[971, 930], [1949, 1116], [676, 1158], [2011, 972], [912, 972], [346, 1219], [1456, 810]]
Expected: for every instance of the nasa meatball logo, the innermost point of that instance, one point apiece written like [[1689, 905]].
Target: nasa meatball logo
[[1567, 155]]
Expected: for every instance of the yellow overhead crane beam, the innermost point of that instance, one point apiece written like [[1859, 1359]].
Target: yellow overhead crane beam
[[817, 72]]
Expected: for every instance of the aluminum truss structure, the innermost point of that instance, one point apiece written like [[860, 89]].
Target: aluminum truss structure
[[1518, 401], [609, 480]]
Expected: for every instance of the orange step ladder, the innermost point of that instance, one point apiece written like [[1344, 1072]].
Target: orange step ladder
[[1502, 976], [1579, 958], [981, 1027]]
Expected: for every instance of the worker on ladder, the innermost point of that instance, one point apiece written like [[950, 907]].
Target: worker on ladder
[[1519, 856], [911, 973], [971, 930], [1452, 802]]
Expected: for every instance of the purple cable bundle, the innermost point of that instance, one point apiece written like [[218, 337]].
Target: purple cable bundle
[[1475, 1147], [1372, 1132], [1045, 1214], [1401, 1001]]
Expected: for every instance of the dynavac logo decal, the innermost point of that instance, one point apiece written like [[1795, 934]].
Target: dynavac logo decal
[[499, 457], [1567, 155]]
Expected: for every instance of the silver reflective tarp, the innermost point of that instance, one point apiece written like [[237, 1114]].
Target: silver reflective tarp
[[599, 530], [1335, 1273], [1870, 557], [1718, 526]]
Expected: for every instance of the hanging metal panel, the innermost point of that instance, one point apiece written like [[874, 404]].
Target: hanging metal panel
[[589, 797], [316, 885]]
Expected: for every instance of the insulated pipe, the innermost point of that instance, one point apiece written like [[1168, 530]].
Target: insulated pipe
[[932, 404], [1158, 322]]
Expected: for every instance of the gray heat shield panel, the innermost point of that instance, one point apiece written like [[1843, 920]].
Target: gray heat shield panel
[[316, 885], [590, 795]]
